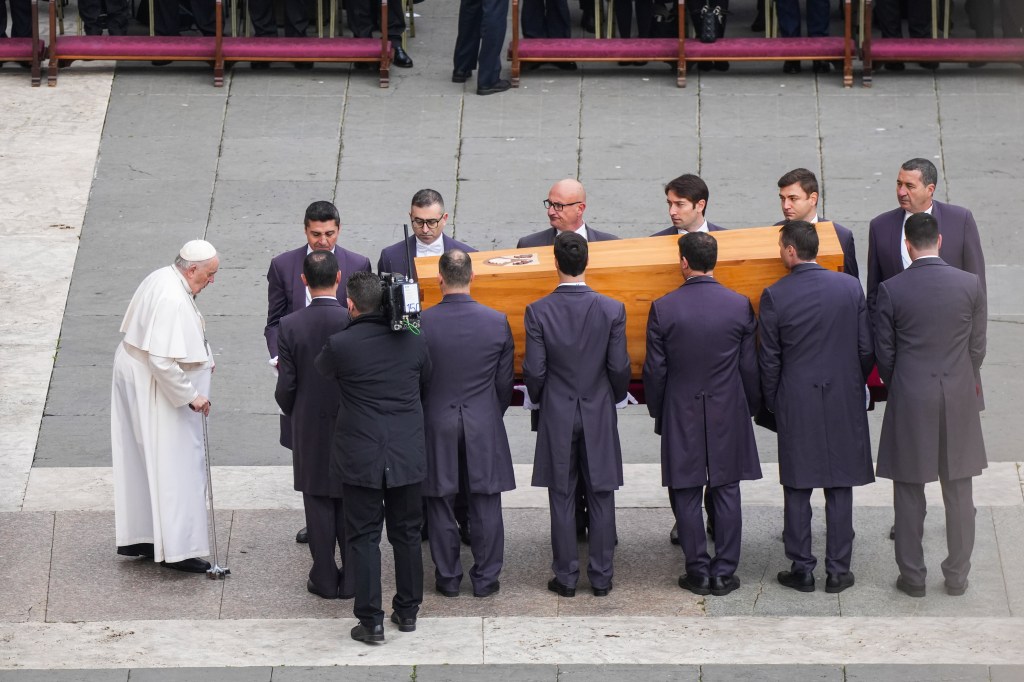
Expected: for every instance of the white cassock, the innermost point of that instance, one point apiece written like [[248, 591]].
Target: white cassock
[[162, 365]]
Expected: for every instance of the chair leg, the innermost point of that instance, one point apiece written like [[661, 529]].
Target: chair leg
[[51, 72]]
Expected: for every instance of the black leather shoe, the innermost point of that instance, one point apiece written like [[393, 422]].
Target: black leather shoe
[[930, 66], [499, 86], [311, 588], [837, 582], [673, 535], [140, 549], [404, 624], [821, 66], [188, 565], [697, 584], [368, 635], [791, 67], [894, 66], [444, 592], [722, 585], [532, 66], [362, 66], [721, 66], [488, 591], [401, 58], [565, 66], [259, 66], [302, 537], [561, 589], [910, 589], [892, 532], [796, 580], [464, 534], [303, 66], [705, 66], [954, 591], [160, 62], [602, 591], [461, 76]]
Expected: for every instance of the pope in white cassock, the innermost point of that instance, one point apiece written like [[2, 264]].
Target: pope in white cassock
[[162, 372]]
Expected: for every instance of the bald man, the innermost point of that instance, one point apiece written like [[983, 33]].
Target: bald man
[[566, 203]]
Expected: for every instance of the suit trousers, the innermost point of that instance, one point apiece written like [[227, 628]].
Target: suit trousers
[[264, 21], [118, 16], [482, 25], [910, 508], [796, 531], [361, 14], [21, 18], [486, 536], [600, 519], [365, 511], [325, 524], [789, 17], [546, 19], [728, 527], [167, 16], [888, 18]]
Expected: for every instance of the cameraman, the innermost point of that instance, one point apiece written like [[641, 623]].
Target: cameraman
[[379, 452]]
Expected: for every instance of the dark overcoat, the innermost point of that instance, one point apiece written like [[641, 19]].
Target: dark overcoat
[[547, 237], [472, 352], [393, 258], [847, 244], [700, 380], [815, 356], [576, 359], [930, 331]]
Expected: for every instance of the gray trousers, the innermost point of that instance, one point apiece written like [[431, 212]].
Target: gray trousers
[[796, 532], [910, 508], [486, 539], [728, 527]]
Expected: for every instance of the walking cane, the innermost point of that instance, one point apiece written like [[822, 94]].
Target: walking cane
[[215, 572]]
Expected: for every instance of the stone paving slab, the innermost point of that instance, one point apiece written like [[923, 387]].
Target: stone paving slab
[[918, 673], [774, 673], [26, 540]]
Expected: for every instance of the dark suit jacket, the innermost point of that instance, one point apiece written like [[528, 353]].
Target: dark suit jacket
[[815, 356], [576, 360], [378, 437], [471, 350], [392, 258], [961, 244], [305, 396], [930, 342], [700, 380], [849, 248], [671, 229], [547, 237]]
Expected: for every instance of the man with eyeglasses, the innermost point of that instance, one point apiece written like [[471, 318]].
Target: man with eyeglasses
[[566, 202], [428, 219]]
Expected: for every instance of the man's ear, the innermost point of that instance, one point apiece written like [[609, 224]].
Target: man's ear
[[303, 278]]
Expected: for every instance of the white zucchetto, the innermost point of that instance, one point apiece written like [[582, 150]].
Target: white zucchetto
[[197, 250]]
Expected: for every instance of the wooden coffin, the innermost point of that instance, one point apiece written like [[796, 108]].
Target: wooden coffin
[[634, 271]]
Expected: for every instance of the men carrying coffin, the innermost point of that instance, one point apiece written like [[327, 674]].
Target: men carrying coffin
[[815, 356], [577, 368], [798, 197], [471, 350], [701, 383]]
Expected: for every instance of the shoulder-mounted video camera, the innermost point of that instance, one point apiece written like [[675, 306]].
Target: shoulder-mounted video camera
[[400, 299]]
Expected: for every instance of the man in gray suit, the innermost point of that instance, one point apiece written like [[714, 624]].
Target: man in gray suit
[[566, 203], [471, 349], [930, 327], [687, 198], [815, 356], [577, 368], [700, 379], [428, 219]]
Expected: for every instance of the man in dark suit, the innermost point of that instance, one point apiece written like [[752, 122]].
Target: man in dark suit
[[930, 347], [687, 198], [798, 196], [286, 293], [264, 22], [481, 34], [310, 401], [566, 203], [471, 350], [815, 356], [700, 379], [379, 452], [576, 368], [21, 18], [428, 219], [362, 19]]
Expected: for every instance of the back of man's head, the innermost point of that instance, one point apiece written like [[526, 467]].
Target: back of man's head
[[456, 268], [922, 231], [806, 179], [929, 174], [321, 212], [571, 253], [700, 250], [690, 187], [802, 236], [364, 290], [320, 269]]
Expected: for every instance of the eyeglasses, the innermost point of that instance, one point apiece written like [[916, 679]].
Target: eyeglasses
[[557, 206], [428, 222]]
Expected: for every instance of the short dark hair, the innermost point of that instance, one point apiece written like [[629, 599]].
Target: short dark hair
[[571, 253], [456, 267], [700, 250], [922, 230], [427, 197], [364, 290], [321, 212], [929, 175], [320, 269], [802, 236], [806, 179], [691, 187]]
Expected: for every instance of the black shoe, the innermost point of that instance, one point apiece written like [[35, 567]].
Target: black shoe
[[894, 66], [565, 66], [362, 66], [721, 66], [532, 66], [892, 532], [673, 535], [909, 589], [446, 593], [705, 66], [464, 535], [954, 591], [796, 580], [836, 583], [461, 76], [303, 66], [155, 62], [976, 65], [259, 66], [302, 537], [404, 624], [602, 591], [499, 86], [368, 635], [930, 66], [722, 585], [140, 549], [401, 58], [587, 23], [188, 565], [757, 26], [494, 588], [791, 67], [697, 584], [820, 66], [311, 588], [561, 589]]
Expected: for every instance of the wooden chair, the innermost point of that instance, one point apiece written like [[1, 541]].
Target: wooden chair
[[30, 50]]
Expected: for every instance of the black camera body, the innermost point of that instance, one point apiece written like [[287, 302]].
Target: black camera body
[[400, 301]]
